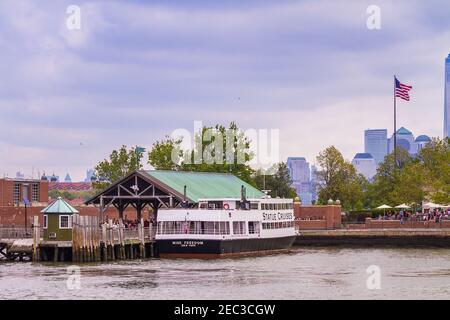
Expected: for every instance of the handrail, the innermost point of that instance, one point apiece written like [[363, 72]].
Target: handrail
[[16, 233]]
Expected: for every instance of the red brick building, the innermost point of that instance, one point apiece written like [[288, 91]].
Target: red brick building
[[18, 192]]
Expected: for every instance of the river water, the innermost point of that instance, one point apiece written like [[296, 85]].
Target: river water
[[313, 273]]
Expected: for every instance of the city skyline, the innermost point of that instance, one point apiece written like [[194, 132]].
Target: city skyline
[[73, 96]]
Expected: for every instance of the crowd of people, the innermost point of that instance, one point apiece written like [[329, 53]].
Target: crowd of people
[[436, 215], [131, 224]]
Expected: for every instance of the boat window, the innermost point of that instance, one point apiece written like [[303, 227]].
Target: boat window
[[193, 227], [239, 227], [254, 205], [253, 227]]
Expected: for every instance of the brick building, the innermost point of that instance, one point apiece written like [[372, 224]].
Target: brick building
[[18, 192]]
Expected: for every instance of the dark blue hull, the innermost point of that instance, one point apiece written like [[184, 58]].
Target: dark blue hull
[[185, 248]]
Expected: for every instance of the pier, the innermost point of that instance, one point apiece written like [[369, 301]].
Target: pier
[[90, 242]]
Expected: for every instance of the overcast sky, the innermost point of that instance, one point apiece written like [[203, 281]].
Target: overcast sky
[[137, 70]]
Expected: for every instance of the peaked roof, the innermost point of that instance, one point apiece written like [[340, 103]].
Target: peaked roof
[[403, 130], [60, 206], [204, 185]]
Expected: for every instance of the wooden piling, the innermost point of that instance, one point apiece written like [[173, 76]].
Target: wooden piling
[[111, 238], [122, 240], [105, 242], [141, 239], [36, 238]]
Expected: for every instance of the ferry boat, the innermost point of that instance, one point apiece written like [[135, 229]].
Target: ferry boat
[[226, 227]]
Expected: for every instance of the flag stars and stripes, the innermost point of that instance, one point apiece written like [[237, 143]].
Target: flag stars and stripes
[[402, 90]]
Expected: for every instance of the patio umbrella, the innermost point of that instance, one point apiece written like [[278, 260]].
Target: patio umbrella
[[431, 205], [403, 206], [384, 207]]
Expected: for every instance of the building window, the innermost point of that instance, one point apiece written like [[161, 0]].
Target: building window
[[35, 193], [16, 194], [45, 221], [64, 222]]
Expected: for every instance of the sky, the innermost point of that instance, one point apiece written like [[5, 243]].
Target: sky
[[137, 70]]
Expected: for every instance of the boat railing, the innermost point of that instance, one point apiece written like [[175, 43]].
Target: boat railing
[[193, 231]]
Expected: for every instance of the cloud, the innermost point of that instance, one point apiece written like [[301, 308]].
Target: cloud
[[138, 70]]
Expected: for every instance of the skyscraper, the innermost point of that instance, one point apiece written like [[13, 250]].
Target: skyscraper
[[301, 177], [376, 143], [365, 164], [447, 98]]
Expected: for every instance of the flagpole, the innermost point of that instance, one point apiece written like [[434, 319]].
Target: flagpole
[[395, 124]]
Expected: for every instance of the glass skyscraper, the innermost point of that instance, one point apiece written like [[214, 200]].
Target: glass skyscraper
[[376, 143], [300, 173], [447, 98]]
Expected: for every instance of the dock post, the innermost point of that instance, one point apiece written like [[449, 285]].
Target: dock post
[[111, 238], [121, 240], [55, 253], [36, 238], [141, 239], [105, 242], [74, 238]]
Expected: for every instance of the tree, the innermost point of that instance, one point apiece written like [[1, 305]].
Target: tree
[[435, 161], [277, 180], [216, 149], [121, 163], [161, 154], [394, 183], [338, 179]]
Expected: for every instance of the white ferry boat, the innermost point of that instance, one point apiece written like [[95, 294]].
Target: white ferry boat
[[226, 227]]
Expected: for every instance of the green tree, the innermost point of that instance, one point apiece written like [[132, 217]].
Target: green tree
[[277, 180], [162, 152], [121, 163], [216, 149], [435, 162], [395, 184], [338, 179]]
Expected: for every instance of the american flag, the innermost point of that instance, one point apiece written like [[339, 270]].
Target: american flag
[[402, 90]]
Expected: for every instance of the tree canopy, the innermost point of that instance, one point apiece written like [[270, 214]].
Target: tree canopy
[[120, 163], [277, 180], [338, 180], [216, 149]]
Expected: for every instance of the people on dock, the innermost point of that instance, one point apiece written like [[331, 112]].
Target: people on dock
[[130, 224], [437, 215]]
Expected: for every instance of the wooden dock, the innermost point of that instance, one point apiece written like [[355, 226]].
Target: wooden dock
[[90, 242]]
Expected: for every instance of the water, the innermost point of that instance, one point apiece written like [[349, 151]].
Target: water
[[319, 273]]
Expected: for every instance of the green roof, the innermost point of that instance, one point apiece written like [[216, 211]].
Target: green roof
[[60, 206], [205, 185]]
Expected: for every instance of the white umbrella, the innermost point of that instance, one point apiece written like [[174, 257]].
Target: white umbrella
[[384, 206], [431, 205], [403, 206]]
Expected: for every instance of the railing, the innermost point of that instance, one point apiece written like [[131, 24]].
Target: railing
[[16, 233], [114, 233], [193, 231], [397, 224], [129, 234]]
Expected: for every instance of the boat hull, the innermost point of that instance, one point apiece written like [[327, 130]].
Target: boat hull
[[200, 248]]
